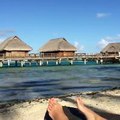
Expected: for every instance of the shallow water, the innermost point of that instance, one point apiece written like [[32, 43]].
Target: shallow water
[[46, 81]]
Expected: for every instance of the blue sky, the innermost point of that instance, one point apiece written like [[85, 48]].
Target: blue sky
[[87, 24]]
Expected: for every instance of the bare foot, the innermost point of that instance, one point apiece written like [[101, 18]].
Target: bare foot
[[87, 112], [55, 110]]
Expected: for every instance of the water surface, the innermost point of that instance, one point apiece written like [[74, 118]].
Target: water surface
[[46, 81]]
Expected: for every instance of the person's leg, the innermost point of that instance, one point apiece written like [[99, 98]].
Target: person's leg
[[87, 112], [55, 110]]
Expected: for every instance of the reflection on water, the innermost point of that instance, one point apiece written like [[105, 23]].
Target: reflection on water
[[33, 82]]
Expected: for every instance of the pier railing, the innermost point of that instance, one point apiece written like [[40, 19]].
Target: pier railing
[[41, 60], [80, 56], [96, 56]]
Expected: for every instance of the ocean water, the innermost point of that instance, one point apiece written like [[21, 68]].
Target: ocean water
[[27, 83]]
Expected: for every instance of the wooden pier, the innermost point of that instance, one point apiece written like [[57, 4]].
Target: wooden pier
[[37, 59], [99, 59]]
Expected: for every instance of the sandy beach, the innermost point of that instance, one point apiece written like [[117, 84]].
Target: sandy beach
[[106, 103]]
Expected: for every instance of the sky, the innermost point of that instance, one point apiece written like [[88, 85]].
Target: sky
[[88, 24]]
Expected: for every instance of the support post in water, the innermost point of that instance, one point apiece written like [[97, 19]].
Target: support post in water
[[47, 62], [97, 61], [40, 63], [71, 62], [1, 64], [85, 61], [22, 63], [56, 62], [8, 61], [101, 61], [59, 60]]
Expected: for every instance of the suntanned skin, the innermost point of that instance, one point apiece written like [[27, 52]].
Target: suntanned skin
[[56, 112], [90, 115]]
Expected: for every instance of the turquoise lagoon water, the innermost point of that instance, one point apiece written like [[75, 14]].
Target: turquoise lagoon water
[[25, 83]]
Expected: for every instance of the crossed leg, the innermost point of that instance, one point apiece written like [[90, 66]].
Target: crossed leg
[[56, 112], [90, 115]]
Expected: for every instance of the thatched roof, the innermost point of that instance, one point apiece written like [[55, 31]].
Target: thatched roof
[[112, 47], [14, 44], [59, 44]]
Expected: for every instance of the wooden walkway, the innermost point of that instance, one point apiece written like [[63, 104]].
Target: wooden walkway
[[78, 57], [97, 57]]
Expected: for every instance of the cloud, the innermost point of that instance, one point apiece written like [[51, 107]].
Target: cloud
[[102, 15], [78, 46], [4, 33], [113, 39], [55, 34], [1, 40], [104, 41]]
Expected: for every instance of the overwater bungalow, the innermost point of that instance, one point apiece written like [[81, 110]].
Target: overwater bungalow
[[112, 49], [14, 47], [58, 48]]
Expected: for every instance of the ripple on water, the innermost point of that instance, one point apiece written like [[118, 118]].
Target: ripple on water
[[34, 82]]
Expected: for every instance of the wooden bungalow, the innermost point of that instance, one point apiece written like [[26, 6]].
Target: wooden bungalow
[[112, 49], [58, 48], [14, 47]]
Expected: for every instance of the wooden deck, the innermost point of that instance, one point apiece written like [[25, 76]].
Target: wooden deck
[[78, 57], [89, 56]]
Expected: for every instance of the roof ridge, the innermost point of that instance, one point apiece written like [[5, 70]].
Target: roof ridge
[[7, 40], [5, 44], [58, 38]]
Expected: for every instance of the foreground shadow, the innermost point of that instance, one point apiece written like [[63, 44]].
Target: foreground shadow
[[103, 113]]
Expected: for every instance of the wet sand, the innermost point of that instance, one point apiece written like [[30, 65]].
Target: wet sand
[[106, 103]]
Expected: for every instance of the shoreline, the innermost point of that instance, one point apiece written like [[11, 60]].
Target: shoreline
[[105, 103]]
